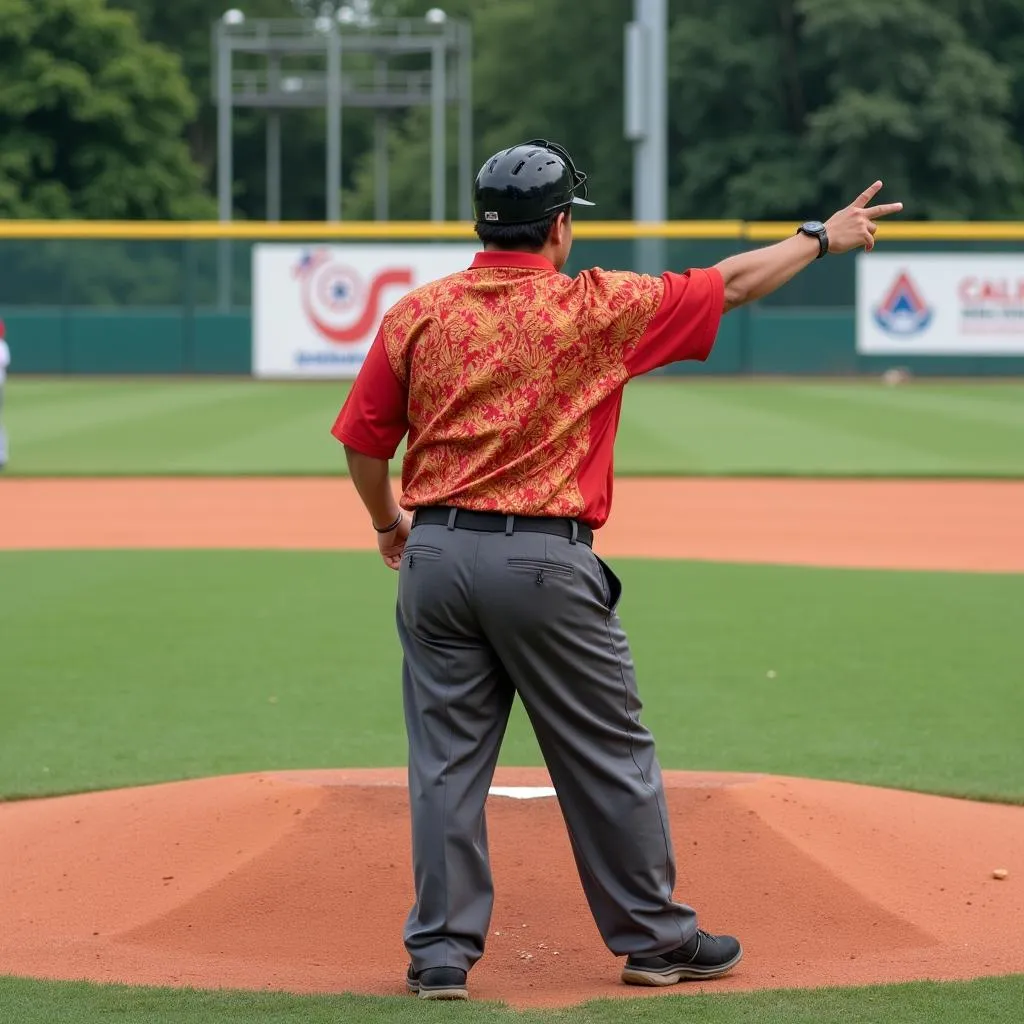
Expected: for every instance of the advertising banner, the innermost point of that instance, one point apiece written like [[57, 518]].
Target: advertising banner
[[963, 304], [316, 309]]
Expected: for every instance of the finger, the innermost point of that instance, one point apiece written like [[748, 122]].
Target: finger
[[867, 195], [883, 210], [871, 226]]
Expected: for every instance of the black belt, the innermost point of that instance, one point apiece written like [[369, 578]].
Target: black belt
[[498, 522]]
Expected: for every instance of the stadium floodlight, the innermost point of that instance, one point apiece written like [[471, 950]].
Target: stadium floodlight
[[435, 16], [233, 17]]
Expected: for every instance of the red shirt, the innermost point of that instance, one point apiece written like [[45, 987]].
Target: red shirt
[[508, 379]]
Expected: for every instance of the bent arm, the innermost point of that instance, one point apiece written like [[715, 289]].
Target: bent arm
[[373, 484]]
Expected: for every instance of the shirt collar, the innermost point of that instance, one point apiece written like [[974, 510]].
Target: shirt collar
[[515, 260]]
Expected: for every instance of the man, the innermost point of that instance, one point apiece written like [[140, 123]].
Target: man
[[508, 379], [5, 361]]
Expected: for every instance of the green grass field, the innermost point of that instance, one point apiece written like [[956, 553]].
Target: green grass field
[[987, 1001], [122, 668], [851, 428], [127, 667]]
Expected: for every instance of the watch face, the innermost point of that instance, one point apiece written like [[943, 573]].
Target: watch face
[[814, 225]]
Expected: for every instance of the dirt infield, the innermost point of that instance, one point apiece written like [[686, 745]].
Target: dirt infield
[[299, 881], [968, 526], [290, 880]]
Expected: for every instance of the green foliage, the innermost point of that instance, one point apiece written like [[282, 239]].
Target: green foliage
[[928, 112], [187, 26], [736, 105], [776, 111], [539, 70], [91, 117]]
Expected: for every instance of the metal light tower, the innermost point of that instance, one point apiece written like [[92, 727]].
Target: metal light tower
[[275, 88], [445, 41]]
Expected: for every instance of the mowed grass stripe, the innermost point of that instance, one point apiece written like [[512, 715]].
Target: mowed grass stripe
[[121, 668], [985, 1001], [945, 426], [669, 427], [740, 432], [188, 427]]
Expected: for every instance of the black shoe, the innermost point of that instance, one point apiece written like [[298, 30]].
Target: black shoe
[[704, 956], [437, 983]]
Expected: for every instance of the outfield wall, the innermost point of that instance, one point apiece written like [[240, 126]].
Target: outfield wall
[[82, 298]]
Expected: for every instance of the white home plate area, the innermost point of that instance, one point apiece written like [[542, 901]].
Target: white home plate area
[[522, 792]]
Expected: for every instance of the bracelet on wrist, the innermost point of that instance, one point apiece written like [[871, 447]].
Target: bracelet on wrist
[[391, 527]]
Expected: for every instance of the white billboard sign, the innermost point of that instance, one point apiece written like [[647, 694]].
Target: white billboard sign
[[317, 308], [964, 304]]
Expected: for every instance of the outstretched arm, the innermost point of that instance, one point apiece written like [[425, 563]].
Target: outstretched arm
[[752, 275]]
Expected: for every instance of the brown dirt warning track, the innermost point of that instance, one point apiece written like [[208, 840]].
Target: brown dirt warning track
[[300, 881]]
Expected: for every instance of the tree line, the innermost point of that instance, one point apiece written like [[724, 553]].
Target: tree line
[[777, 110]]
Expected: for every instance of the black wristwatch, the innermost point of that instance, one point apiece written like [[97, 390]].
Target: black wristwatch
[[815, 229]]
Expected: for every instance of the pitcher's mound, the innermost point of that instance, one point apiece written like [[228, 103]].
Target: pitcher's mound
[[301, 881]]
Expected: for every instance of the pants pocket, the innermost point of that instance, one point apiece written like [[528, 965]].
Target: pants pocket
[[540, 567], [613, 585], [419, 552]]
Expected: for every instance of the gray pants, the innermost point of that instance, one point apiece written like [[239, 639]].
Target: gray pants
[[482, 617]]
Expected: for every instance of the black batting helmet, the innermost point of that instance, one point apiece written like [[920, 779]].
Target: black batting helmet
[[527, 182]]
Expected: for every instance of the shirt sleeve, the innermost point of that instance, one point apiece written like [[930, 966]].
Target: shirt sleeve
[[373, 419], [686, 323]]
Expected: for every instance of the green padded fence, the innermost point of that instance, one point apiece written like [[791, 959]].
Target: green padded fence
[[111, 305]]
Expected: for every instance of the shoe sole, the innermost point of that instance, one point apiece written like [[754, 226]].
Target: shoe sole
[[437, 993], [674, 975]]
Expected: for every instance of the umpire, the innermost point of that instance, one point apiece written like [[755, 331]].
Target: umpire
[[507, 378]]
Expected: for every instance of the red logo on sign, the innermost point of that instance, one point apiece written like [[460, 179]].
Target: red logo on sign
[[902, 310], [338, 302]]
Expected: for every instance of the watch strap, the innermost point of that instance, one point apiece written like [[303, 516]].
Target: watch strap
[[815, 229]]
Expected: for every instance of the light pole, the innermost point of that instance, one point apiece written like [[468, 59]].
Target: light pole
[[438, 91], [230, 19], [646, 122]]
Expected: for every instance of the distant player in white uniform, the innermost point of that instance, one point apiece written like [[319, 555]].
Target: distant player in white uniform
[[5, 361]]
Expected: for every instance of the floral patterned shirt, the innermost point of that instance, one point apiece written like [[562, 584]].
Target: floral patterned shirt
[[508, 377]]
